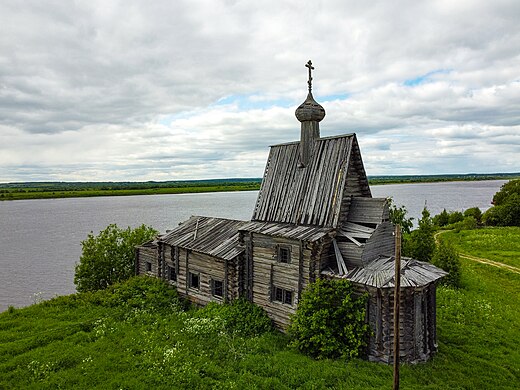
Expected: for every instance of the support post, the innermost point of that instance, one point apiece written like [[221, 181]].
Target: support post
[[396, 304]]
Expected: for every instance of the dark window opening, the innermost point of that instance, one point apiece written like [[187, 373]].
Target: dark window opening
[[284, 255], [287, 299], [217, 288], [148, 266], [282, 295], [172, 275], [194, 280]]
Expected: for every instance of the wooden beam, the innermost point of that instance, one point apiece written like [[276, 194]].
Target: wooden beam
[[396, 304], [342, 268]]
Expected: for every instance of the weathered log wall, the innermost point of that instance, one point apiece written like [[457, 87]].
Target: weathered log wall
[[417, 322], [146, 255]]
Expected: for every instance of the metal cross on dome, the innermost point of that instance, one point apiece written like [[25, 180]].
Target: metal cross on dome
[[309, 65]]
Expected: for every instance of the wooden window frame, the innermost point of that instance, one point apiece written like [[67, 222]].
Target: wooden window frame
[[148, 266], [190, 280], [283, 296], [283, 254], [214, 288]]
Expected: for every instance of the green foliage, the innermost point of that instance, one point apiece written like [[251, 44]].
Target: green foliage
[[398, 217], [467, 223], [144, 293], [447, 258], [108, 258], [75, 342], [441, 219], [506, 209], [240, 316], [455, 216], [330, 321], [421, 243], [508, 189], [475, 213]]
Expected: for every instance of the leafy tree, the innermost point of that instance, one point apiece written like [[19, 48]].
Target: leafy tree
[[507, 190], [330, 321], [447, 258], [109, 257], [506, 209], [398, 217], [456, 216], [441, 219], [475, 213], [421, 243]]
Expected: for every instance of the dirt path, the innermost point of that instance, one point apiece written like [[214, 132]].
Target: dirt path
[[481, 259]]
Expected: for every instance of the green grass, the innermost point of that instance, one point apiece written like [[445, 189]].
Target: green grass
[[81, 193], [138, 337], [497, 244]]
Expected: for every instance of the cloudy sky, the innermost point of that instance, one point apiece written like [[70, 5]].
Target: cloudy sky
[[167, 90]]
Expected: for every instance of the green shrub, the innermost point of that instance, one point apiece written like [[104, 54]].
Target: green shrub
[[109, 257], [492, 216], [398, 217], [446, 257], [240, 316], [441, 219], [468, 223], [506, 209], [330, 321], [144, 293], [455, 216], [475, 213], [421, 243], [508, 189]]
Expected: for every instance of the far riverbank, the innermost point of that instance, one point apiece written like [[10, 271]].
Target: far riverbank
[[56, 190]]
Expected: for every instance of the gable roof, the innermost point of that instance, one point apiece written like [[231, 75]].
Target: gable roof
[[310, 195], [216, 237]]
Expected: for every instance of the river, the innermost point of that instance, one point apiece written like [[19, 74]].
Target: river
[[40, 240]]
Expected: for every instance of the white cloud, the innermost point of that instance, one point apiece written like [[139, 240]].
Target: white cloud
[[198, 89]]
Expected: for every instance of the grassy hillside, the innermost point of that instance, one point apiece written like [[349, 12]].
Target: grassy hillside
[[139, 336], [497, 244]]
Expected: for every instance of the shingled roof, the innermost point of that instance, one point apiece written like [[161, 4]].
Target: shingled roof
[[312, 194], [380, 273], [216, 237]]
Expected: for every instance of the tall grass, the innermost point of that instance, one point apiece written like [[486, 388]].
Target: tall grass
[[140, 335]]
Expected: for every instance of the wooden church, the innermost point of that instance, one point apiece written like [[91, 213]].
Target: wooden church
[[314, 218]]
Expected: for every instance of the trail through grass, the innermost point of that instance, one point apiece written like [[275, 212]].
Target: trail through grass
[[501, 244]]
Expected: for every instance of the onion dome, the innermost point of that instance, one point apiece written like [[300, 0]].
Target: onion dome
[[310, 110]]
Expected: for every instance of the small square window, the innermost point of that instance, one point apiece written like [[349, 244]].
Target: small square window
[[148, 266], [284, 255], [282, 296], [172, 275], [194, 280], [217, 288]]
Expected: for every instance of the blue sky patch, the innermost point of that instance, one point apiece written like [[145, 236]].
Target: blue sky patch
[[425, 77]]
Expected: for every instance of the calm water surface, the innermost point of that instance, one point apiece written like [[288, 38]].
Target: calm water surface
[[40, 240]]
